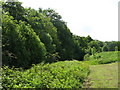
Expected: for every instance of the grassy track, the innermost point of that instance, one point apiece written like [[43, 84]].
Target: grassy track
[[102, 76]]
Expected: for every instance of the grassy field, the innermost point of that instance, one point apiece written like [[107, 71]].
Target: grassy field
[[103, 70], [103, 58], [102, 76]]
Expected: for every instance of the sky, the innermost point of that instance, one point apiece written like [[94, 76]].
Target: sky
[[97, 18]]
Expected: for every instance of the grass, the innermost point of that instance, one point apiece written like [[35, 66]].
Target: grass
[[103, 58], [103, 70], [102, 76]]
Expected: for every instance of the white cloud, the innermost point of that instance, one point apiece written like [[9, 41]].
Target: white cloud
[[100, 16]]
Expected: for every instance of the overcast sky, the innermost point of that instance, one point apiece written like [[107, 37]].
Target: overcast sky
[[97, 18]]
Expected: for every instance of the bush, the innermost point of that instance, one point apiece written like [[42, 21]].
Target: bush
[[64, 74]]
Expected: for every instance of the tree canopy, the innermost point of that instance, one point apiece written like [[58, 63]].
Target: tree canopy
[[31, 36]]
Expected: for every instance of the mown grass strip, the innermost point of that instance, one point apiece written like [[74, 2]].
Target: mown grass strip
[[103, 76]]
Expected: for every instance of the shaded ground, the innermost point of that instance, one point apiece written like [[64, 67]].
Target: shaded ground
[[102, 76]]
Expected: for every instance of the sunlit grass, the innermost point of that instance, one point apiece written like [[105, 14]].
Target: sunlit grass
[[103, 76], [104, 58]]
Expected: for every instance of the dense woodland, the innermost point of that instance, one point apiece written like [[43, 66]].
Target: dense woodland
[[32, 36]]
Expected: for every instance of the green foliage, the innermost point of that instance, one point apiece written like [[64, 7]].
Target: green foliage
[[52, 57], [112, 45], [81, 45], [21, 45], [52, 14], [116, 48], [105, 48], [118, 45], [33, 44], [86, 57], [82, 41], [64, 74], [31, 36], [45, 30], [15, 9], [93, 50], [67, 47], [94, 45], [101, 46], [104, 57], [66, 50]]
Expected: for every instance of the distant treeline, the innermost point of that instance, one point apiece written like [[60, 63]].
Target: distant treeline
[[31, 36]]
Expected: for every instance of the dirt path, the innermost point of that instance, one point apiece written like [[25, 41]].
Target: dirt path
[[102, 76]]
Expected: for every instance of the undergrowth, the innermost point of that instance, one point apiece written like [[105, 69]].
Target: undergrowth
[[63, 74]]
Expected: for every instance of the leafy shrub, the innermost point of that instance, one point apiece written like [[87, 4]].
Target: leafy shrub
[[64, 74]]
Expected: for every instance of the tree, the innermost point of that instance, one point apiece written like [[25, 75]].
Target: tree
[[95, 45], [44, 29], [89, 39], [33, 44], [15, 9], [52, 14], [116, 48], [93, 50], [21, 46], [105, 48], [65, 48], [111, 45], [118, 45]]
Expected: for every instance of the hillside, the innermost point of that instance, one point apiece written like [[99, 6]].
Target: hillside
[[103, 57]]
